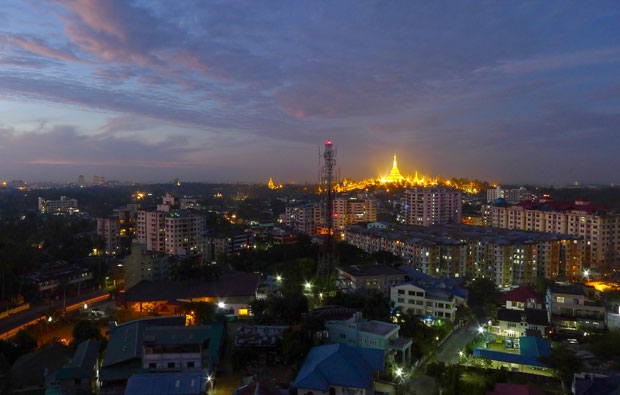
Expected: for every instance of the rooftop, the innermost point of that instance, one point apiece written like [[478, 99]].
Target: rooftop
[[522, 294], [532, 348], [231, 284], [339, 365], [83, 362], [436, 288], [372, 326], [370, 270], [183, 383], [259, 336]]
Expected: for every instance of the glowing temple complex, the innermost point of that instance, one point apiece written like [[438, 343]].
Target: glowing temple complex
[[395, 179]]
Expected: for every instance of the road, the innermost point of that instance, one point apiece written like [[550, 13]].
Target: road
[[10, 325], [449, 351]]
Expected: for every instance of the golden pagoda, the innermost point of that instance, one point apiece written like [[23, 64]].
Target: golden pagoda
[[394, 175], [271, 185]]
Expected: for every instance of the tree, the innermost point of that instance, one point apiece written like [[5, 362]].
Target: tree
[[295, 345], [376, 307], [25, 342], [84, 330], [482, 297], [565, 364], [202, 312]]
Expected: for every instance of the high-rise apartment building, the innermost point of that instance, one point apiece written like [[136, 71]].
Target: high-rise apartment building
[[108, 229], [303, 218], [174, 232], [81, 182], [510, 195], [596, 226], [352, 210], [63, 205], [432, 205], [98, 180]]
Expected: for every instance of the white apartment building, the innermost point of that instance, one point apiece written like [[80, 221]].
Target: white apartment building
[[575, 305], [511, 195], [304, 218], [62, 205], [432, 205]]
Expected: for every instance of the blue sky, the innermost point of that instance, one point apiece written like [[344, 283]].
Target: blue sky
[[239, 91]]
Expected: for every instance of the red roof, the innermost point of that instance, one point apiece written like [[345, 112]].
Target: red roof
[[579, 204], [522, 294], [515, 389]]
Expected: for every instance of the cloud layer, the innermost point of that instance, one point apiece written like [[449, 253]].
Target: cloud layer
[[503, 91]]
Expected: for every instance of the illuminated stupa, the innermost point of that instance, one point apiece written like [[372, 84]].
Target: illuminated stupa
[[394, 175]]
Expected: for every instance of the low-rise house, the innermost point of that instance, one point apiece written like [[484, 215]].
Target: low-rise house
[[51, 277], [359, 332], [515, 389], [364, 278], [82, 374], [532, 348], [178, 383], [428, 296], [339, 369], [520, 323], [570, 307], [523, 297]]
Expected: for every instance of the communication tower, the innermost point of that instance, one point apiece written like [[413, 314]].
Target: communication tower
[[327, 183]]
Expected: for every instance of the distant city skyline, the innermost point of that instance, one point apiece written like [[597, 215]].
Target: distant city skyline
[[148, 91]]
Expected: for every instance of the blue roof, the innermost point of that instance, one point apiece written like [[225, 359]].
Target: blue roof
[[438, 287], [184, 383], [340, 365], [532, 347]]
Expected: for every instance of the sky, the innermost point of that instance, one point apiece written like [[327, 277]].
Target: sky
[[240, 91]]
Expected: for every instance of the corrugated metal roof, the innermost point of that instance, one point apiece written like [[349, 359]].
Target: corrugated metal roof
[[183, 383]]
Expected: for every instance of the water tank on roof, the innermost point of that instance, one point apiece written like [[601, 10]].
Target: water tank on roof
[[500, 202]]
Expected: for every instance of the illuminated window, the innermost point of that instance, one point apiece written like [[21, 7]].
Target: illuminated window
[[243, 311]]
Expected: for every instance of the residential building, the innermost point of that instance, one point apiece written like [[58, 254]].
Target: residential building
[[574, 306], [108, 229], [303, 218], [143, 264], [365, 278], [159, 345], [339, 369], [63, 205], [353, 210], [82, 374], [435, 298], [527, 361], [170, 383], [359, 332], [228, 244], [232, 291], [508, 257], [261, 343], [52, 275], [510, 195], [523, 297], [181, 348], [596, 226], [432, 205], [81, 182], [174, 232], [521, 323]]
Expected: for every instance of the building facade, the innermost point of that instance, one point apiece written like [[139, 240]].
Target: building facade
[[432, 205], [575, 306], [353, 210], [508, 257], [365, 278], [108, 229], [596, 226], [303, 218], [62, 205]]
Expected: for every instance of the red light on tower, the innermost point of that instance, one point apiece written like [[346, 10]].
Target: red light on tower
[[328, 142]]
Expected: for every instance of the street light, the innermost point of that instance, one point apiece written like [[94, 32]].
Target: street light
[[460, 353], [278, 278], [308, 285], [85, 306], [586, 274], [221, 305], [49, 319], [480, 330], [399, 372]]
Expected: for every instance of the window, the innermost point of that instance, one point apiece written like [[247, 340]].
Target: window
[[419, 294], [512, 325], [190, 364], [560, 299], [401, 291], [411, 293], [152, 365], [171, 365], [243, 311], [401, 300], [419, 302]]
